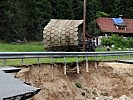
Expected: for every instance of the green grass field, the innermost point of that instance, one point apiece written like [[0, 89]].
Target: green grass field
[[38, 47], [25, 47]]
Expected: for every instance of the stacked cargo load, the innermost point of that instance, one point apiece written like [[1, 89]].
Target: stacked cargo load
[[62, 35]]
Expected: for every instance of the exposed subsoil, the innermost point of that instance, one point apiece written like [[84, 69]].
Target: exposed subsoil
[[110, 81]]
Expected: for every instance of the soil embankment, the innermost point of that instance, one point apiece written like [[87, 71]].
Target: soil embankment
[[110, 81]]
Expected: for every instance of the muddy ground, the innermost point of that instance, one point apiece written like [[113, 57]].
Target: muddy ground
[[110, 81]]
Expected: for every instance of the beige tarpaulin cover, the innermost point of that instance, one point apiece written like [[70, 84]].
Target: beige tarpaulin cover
[[61, 32]]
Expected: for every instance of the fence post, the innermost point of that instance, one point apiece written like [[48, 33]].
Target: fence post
[[87, 64], [22, 60], [52, 62], [77, 65], [4, 61], [104, 57], [124, 57], [65, 65], [95, 63], [118, 57], [38, 61], [129, 57]]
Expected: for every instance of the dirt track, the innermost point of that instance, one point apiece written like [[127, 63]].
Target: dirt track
[[109, 79]]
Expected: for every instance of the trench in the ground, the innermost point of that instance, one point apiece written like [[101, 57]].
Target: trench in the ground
[[105, 80]]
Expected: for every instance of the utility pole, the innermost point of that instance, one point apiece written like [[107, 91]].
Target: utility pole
[[84, 24]]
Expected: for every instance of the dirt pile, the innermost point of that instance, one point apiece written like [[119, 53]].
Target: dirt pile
[[108, 82]]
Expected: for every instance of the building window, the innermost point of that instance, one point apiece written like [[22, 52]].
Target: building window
[[121, 27]]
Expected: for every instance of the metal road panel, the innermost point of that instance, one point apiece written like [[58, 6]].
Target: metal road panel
[[126, 61], [8, 69], [21, 55], [11, 87]]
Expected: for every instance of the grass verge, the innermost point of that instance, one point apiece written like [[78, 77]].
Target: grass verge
[[38, 47], [30, 61]]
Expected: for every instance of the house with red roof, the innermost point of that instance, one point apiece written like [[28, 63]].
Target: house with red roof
[[120, 26]]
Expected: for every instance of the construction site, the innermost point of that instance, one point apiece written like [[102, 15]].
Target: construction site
[[109, 81], [66, 50]]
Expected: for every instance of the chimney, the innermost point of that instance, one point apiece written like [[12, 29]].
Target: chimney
[[120, 16]]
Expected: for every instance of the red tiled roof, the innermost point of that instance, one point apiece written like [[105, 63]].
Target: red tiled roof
[[107, 25]]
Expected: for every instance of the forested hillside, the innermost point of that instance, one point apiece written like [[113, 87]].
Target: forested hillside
[[26, 18]]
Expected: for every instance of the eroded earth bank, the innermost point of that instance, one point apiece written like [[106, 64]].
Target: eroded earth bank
[[110, 81]]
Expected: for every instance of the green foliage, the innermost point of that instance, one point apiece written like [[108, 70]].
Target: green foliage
[[107, 41], [101, 14], [130, 42], [78, 85], [93, 30], [26, 18], [104, 93], [101, 49], [118, 41], [94, 92]]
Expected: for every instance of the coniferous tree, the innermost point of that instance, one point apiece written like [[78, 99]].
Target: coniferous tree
[[26, 18]]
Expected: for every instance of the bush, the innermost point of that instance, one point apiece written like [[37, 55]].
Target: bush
[[130, 42], [107, 41], [118, 41]]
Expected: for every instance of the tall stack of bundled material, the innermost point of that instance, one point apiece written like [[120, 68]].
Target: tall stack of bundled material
[[62, 35]]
